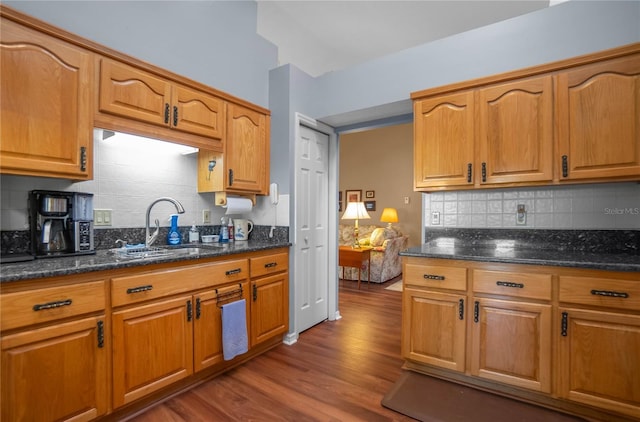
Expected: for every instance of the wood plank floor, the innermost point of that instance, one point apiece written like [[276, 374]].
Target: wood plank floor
[[337, 371]]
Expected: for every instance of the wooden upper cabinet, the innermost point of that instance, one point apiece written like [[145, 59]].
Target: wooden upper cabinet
[[246, 159], [444, 141], [599, 120], [129, 92], [46, 126], [132, 93], [515, 132]]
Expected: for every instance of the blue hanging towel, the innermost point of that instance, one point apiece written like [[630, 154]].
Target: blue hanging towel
[[234, 329]]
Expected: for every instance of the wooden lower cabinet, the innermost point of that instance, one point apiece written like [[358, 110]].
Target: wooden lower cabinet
[[599, 362], [269, 297], [511, 343], [59, 371], [152, 348], [424, 339], [563, 337]]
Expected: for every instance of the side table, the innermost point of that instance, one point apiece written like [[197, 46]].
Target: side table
[[350, 257]]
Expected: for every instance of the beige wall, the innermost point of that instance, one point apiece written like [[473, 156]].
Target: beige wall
[[381, 160]]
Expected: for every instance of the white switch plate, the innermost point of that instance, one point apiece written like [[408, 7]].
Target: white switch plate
[[406, 200], [521, 215], [206, 216], [435, 218], [102, 217]]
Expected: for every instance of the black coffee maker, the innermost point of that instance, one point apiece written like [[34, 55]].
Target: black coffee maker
[[53, 223]]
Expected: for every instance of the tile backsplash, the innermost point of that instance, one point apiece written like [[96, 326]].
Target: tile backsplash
[[587, 207], [128, 176]]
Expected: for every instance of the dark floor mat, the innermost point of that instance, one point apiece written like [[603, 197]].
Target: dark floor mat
[[431, 399]]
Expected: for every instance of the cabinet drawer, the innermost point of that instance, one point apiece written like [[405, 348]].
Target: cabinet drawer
[[269, 264], [49, 304], [532, 286], [595, 291], [453, 278], [152, 285]]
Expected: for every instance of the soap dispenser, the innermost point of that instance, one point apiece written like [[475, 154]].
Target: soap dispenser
[[194, 236], [174, 238], [224, 231]]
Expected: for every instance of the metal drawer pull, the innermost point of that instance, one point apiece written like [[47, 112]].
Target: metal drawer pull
[[139, 289], [52, 305], [270, 265], [476, 311], [461, 309], [609, 293], [433, 277], [564, 324], [510, 284], [232, 272]]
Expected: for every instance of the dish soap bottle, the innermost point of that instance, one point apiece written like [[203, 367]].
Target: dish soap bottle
[[194, 236], [174, 238], [230, 229], [224, 231]]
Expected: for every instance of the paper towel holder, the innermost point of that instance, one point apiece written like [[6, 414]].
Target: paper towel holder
[[220, 198]]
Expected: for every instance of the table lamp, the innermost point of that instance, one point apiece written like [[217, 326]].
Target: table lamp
[[355, 211], [389, 215]]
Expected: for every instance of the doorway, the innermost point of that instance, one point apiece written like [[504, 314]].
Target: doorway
[[314, 285]]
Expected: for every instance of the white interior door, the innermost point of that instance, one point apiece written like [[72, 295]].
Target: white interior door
[[311, 228]]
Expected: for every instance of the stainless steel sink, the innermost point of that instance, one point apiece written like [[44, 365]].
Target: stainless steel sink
[[148, 252]]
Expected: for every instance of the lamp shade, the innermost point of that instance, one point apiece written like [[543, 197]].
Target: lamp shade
[[389, 215], [355, 211]]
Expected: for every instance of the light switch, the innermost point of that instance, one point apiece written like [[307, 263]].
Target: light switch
[[435, 218], [521, 215]]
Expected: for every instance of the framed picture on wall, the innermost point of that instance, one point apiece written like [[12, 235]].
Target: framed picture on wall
[[370, 194], [370, 205], [353, 195]]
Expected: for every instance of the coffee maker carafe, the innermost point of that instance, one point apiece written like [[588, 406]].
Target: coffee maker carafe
[[60, 223]]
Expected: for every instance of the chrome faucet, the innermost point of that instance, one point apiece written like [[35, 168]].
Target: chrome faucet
[[149, 239]]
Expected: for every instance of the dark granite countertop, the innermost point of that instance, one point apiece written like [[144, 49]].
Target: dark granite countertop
[[519, 252], [107, 260]]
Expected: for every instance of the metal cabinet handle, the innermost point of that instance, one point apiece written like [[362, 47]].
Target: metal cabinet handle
[[610, 293], [234, 271], [255, 292], [270, 265], [189, 310], [100, 334], [476, 311], [83, 158], [139, 289], [510, 284], [52, 305], [175, 115], [433, 277], [564, 324], [198, 308], [469, 172], [167, 111], [484, 172], [565, 166], [461, 309]]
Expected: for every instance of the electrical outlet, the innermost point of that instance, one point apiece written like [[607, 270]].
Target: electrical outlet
[[206, 216], [406, 200], [435, 218], [521, 215]]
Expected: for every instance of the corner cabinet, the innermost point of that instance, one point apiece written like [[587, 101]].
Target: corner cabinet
[[243, 168], [561, 337], [46, 118], [571, 121]]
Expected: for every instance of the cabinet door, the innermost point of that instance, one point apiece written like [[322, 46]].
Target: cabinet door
[[433, 328], [46, 122], [135, 94], [246, 150], [269, 307], [515, 132], [207, 347], [443, 141], [599, 120], [599, 359], [199, 113], [152, 348], [511, 343], [55, 373]]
